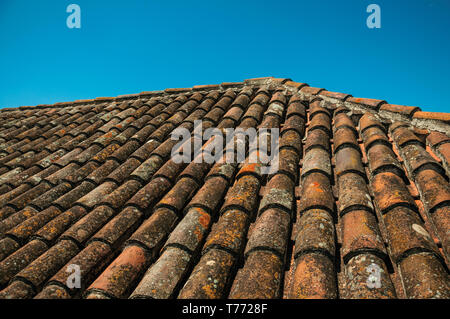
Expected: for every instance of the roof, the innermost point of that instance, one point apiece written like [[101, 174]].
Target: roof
[[358, 208]]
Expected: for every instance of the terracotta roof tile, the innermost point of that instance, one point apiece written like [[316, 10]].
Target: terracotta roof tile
[[317, 138], [216, 264], [370, 103], [373, 136], [118, 227], [353, 193], [316, 192], [406, 233], [20, 258], [405, 110], [314, 278], [348, 160], [288, 162], [390, 191], [335, 95], [8, 246], [53, 292], [345, 137], [260, 277], [311, 90], [17, 290], [270, 232], [316, 160], [93, 183], [356, 280], [315, 232], [296, 85], [436, 138], [163, 277], [445, 117], [360, 233], [90, 261], [115, 280], [425, 277], [320, 121]]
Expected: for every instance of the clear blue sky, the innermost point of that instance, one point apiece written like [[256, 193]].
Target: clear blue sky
[[143, 45]]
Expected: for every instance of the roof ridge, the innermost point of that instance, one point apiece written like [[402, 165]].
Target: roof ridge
[[381, 109]]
